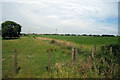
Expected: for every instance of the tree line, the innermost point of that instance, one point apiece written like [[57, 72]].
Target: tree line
[[104, 35]]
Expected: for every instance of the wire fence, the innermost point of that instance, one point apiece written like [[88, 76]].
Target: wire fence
[[30, 65]]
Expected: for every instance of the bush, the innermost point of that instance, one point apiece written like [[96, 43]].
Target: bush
[[52, 42], [115, 48]]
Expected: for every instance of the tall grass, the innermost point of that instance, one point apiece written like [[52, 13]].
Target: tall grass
[[101, 66]]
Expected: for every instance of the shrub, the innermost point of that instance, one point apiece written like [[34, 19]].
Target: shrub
[[52, 42]]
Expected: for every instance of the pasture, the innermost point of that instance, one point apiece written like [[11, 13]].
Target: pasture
[[33, 55], [85, 40]]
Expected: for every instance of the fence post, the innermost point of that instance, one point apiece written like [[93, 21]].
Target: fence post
[[49, 59], [75, 56], [92, 53], [111, 49], [15, 62], [72, 54]]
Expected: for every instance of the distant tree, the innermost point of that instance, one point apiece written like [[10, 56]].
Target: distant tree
[[10, 29], [67, 34], [73, 34], [84, 35], [90, 35], [108, 35], [79, 35]]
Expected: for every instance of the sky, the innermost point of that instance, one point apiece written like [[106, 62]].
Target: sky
[[63, 16]]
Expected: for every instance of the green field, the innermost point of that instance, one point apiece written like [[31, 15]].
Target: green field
[[33, 57], [86, 40]]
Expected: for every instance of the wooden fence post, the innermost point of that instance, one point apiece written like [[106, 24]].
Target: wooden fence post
[[75, 56], [111, 49], [92, 53], [72, 54], [15, 62], [49, 59]]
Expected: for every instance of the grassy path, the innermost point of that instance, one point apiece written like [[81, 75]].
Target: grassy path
[[67, 43]]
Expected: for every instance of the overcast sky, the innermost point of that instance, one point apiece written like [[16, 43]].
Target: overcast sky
[[67, 16]]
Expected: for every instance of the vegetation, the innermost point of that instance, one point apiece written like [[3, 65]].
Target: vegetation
[[85, 40], [104, 64], [33, 57], [10, 29], [52, 42]]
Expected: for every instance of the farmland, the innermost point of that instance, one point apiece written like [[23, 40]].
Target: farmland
[[59, 39], [86, 40], [33, 57]]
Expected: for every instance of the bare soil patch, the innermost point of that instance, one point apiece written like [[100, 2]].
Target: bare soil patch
[[59, 41]]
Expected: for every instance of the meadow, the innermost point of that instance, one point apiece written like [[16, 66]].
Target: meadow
[[32, 57], [86, 40]]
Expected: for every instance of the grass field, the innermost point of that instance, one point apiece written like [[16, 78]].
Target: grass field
[[86, 40], [33, 57]]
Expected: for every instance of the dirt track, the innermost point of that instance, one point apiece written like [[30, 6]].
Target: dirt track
[[59, 41]]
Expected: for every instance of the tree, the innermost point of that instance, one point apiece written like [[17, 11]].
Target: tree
[[10, 29]]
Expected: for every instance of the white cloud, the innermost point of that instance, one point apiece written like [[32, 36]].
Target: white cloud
[[71, 16]]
